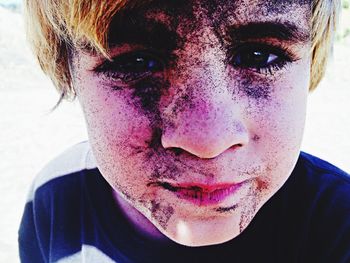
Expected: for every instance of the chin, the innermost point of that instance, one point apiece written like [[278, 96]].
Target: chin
[[204, 232]]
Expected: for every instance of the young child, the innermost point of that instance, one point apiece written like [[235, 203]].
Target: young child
[[195, 113]]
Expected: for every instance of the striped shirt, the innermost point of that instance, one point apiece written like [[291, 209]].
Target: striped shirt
[[71, 216]]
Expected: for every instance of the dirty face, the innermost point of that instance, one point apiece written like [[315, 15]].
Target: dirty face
[[197, 120]]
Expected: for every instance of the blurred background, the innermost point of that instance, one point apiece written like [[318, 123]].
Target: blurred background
[[30, 135]]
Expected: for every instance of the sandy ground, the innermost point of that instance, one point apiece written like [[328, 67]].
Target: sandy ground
[[30, 135]]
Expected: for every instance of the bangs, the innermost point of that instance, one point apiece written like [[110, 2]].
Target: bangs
[[55, 27], [325, 18], [85, 23]]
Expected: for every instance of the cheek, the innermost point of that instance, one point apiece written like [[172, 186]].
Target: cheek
[[278, 126], [280, 112], [112, 120], [118, 130]]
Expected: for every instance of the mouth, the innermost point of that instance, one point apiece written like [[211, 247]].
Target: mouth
[[202, 195]]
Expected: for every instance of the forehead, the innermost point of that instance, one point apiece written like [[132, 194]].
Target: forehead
[[226, 10], [171, 21]]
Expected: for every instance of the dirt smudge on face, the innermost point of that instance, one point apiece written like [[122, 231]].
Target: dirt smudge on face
[[262, 185], [165, 169], [250, 210], [225, 210], [256, 92], [149, 92], [155, 141], [161, 213], [282, 6]]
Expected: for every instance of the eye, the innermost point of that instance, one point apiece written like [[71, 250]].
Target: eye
[[259, 57], [131, 66], [137, 63]]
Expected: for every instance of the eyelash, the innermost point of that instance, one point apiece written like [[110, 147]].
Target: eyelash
[[283, 57], [123, 67]]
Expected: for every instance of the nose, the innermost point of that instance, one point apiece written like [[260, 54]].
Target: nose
[[205, 134], [208, 120]]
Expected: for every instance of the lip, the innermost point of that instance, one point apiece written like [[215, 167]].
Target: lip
[[201, 194]]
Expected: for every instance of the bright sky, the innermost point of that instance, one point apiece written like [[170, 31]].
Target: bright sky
[[8, 2]]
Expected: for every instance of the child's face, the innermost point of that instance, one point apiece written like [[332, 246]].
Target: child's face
[[198, 120]]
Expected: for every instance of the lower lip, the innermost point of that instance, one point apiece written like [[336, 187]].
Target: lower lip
[[205, 197]]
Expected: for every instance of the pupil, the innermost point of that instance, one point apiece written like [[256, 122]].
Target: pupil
[[145, 64], [257, 58], [151, 64]]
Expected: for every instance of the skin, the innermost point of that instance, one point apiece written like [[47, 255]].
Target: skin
[[200, 119]]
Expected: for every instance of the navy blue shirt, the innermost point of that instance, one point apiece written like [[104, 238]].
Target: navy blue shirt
[[72, 217]]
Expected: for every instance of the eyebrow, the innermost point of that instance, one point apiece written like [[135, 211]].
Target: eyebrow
[[158, 35], [284, 31], [133, 29]]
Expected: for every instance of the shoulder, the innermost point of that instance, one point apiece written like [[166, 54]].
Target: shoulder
[[326, 193], [72, 161], [57, 201], [321, 166], [327, 183], [321, 172]]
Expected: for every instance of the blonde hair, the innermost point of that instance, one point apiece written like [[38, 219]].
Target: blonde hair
[[54, 27], [325, 18]]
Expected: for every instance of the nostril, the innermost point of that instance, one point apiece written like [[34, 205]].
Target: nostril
[[179, 151], [204, 141], [236, 146]]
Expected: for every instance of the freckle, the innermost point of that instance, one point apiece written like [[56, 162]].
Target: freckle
[[256, 137], [262, 185]]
